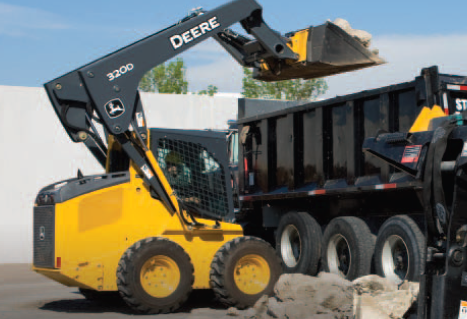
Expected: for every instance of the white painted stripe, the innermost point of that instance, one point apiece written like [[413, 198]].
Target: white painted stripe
[[454, 87]]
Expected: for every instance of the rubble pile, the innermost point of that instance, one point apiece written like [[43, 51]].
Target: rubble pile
[[328, 296]]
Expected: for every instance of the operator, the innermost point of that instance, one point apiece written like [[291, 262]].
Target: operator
[[179, 176]]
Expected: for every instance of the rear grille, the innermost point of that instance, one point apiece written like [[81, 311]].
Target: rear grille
[[44, 236]]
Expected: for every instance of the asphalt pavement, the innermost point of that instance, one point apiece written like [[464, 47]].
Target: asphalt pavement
[[25, 294]]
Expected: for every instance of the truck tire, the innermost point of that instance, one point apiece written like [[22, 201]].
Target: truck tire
[[348, 246], [298, 243], [243, 270], [400, 250], [105, 297], [155, 275]]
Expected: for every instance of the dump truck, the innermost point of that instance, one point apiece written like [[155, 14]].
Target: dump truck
[[371, 182], [155, 225]]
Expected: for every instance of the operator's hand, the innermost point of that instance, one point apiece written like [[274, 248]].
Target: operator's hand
[[194, 200]]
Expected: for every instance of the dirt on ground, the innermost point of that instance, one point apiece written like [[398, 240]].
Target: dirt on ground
[[27, 295], [328, 296]]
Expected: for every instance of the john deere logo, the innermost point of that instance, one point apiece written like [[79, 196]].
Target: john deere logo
[[115, 108], [41, 233]]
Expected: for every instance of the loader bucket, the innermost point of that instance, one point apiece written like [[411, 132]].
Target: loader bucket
[[329, 50]]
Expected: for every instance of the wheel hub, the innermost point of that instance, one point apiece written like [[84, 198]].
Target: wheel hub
[[160, 276], [395, 259], [339, 258], [251, 274], [290, 246]]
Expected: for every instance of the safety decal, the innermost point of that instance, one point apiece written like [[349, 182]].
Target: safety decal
[[464, 150], [411, 154], [463, 310], [114, 108], [147, 171]]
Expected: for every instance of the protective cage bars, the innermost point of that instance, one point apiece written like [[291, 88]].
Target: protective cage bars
[[197, 178]]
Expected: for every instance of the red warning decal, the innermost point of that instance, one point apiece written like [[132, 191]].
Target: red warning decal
[[411, 154]]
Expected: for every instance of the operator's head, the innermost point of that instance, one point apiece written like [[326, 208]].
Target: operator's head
[[173, 162]]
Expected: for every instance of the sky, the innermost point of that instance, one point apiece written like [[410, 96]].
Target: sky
[[42, 40]]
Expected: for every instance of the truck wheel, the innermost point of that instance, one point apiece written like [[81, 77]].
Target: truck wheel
[[348, 247], [400, 250], [155, 275], [101, 296], [298, 243], [243, 270]]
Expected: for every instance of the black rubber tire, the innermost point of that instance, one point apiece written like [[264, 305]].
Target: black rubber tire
[[404, 227], [223, 267], [107, 297], [128, 276], [360, 242], [310, 238]]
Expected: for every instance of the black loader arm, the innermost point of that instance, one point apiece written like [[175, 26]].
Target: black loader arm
[[106, 90], [110, 83]]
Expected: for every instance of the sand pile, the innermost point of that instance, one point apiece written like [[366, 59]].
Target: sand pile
[[328, 296]]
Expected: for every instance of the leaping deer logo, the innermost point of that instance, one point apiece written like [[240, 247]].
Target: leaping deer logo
[[115, 108]]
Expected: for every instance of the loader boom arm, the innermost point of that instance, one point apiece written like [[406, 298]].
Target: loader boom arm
[[106, 90], [108, 87]]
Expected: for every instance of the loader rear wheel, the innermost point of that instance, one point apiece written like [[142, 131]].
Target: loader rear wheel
[[155, 275], [243, 270], [348, 247], [298, 242]]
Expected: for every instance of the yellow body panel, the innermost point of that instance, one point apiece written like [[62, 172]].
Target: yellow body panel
[[93, 231], [298, 44], [426, 115]]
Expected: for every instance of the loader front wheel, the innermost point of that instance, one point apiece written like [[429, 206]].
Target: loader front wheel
[[243, 270], [155, 275]]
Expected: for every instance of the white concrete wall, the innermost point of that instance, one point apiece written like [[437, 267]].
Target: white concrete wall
[[36, 151]]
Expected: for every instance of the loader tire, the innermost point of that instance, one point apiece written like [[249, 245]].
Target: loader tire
[[400, 250], [155, 275], [243, 270], [105, 297], [348, 246], [298, 243]]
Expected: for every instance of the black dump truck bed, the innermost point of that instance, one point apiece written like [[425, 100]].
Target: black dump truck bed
[[316, 148]]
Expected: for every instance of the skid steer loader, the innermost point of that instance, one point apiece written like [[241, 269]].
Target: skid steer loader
[[157, 224]]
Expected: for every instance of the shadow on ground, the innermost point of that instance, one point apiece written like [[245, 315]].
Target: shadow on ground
[[198, 299]]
